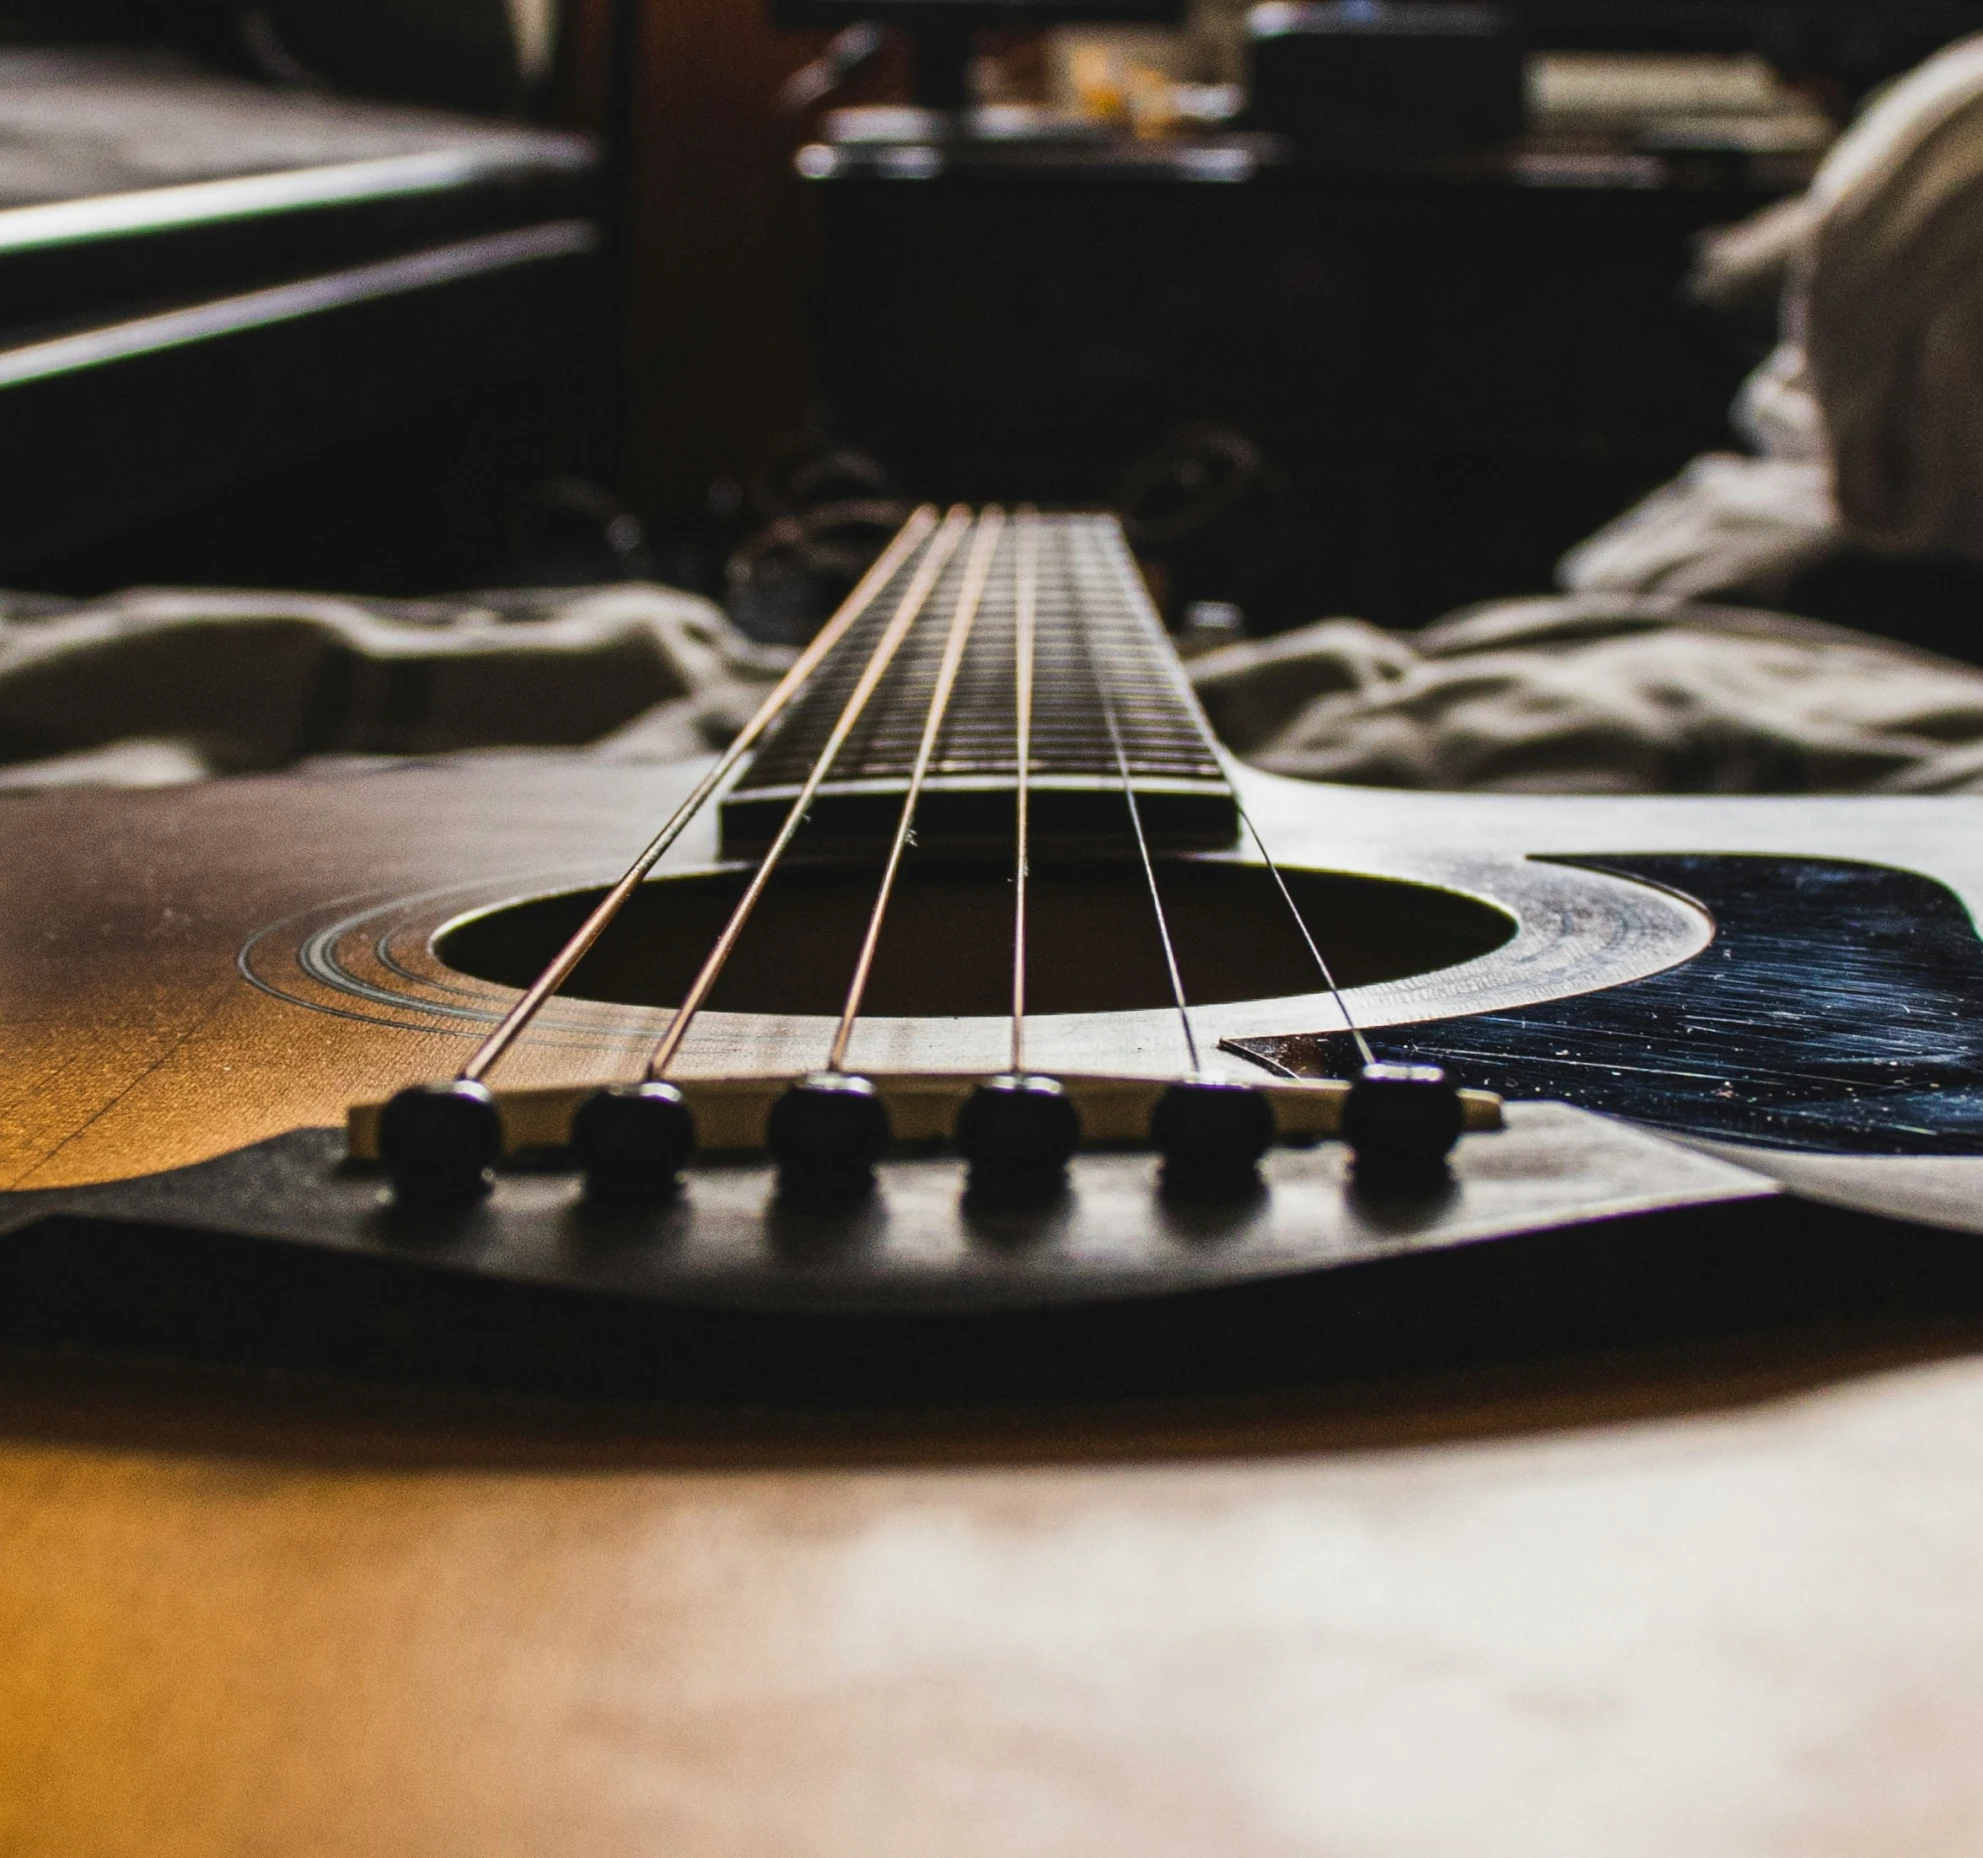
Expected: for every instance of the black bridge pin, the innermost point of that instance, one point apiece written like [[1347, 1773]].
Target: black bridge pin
[[1211, 1135], [632, 1141], [441, 1141], [1018, 1133], [1401, 1121], [826, 1133]]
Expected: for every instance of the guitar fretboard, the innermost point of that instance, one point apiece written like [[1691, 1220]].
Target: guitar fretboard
[[1094, 625]]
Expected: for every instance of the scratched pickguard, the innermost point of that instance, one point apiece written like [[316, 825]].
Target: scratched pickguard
[[1839, 1008]]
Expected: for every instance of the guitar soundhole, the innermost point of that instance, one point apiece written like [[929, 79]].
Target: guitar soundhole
[[946, 950]]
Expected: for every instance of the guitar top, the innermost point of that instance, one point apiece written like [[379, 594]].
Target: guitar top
[[975, 980]]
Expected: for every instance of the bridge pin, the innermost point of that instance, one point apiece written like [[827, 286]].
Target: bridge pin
[[826, 1133], [1018, 1132], [632, 1140], [1400, 1121], [441, 1141], [1211, 1135]]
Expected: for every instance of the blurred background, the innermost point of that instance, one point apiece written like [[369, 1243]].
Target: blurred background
[[1374, 307]]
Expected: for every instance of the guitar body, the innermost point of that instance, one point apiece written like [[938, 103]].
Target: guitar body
[[1708, 1015]]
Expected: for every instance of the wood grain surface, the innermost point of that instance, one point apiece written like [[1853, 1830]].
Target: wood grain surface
[[1674, 1603], [1704, 1603], [155, 1008]]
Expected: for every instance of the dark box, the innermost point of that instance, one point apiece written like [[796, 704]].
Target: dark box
[[1363, 80]]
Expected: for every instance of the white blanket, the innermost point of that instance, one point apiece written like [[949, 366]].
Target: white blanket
[[1601, 694], [1591, 694], [162, 685], [1867, 421]]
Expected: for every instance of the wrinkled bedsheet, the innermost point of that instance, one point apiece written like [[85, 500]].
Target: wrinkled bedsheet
[[1576, 694], [1601, 694], [156, 686], [1865, 426]]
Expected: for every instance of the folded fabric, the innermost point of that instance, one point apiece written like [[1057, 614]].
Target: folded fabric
[[1601, 694], [183, 683], [1867, 420], [1589, 694], [1892, 312], [1727, 524]]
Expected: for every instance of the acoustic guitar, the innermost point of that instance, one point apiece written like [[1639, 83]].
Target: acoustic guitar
[[974, 1008]]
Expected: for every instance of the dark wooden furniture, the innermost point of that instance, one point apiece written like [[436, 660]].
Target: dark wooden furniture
[[204, 283], [1456, 372]]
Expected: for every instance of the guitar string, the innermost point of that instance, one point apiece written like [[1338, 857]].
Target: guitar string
[[907, 540], [1025, 578], [1142, 848], [1025, 617], [970, 596], [1300, 922], [1301, 926], [935, 559]]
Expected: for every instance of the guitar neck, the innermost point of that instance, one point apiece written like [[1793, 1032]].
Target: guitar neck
[[1099, 654]]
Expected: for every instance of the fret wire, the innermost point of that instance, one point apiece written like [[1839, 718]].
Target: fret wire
[[935, 559], [907, 540], [977, 570], [1162, 731], [1025, 620]]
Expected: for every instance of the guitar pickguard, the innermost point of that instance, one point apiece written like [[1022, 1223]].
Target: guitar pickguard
[[1839, 1008]]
